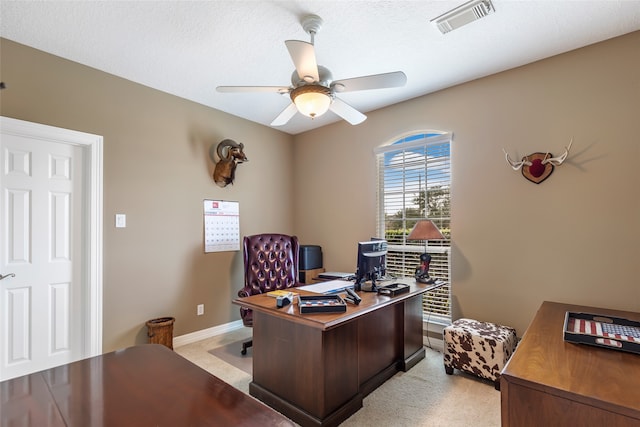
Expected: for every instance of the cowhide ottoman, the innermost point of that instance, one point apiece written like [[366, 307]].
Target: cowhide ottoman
[[478, 348]]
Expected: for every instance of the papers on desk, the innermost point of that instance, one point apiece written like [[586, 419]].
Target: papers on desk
[[328, 287]]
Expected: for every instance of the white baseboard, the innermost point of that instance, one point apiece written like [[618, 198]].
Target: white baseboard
[[433, 343], [436, 328], [207, 333]]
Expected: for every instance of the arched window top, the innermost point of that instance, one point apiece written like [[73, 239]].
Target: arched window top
[[415, 139]]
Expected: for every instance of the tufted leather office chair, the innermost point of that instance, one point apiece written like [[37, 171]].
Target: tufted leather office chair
[[270, 263]]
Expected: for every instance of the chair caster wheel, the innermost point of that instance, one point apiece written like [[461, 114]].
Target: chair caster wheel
[[244, 351]]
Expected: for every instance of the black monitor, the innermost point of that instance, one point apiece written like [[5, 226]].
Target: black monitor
[[372, 263]]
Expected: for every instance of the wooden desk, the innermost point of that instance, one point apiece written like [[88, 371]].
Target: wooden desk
[[550, 382], [146, 385], [316, 368]]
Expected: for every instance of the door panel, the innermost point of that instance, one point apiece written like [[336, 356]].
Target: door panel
[[41, 307], [18, 209], [19, 323]]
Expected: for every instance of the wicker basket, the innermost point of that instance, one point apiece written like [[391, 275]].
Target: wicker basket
[[161, 331]]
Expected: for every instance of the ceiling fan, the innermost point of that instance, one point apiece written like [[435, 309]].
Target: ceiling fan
[[313, 90]]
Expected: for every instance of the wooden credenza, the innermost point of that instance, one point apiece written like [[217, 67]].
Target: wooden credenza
[[550, 382]]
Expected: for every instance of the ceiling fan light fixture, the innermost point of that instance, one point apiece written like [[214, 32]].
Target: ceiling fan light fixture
[[463, 15], [311, 100]]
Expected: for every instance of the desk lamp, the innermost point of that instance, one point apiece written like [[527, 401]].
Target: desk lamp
[[424, 230]]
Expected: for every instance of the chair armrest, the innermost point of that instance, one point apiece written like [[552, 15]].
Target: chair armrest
[[244, 293]]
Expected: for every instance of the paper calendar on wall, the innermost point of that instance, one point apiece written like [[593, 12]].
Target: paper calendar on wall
[[221, 226]]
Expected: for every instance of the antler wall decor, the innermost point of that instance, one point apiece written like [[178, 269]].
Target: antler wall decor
[[537, 167], [231, 154]]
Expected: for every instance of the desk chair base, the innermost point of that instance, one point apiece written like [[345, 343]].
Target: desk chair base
[[246, 345]]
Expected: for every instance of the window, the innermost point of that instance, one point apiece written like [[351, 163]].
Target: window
[[414, 183]]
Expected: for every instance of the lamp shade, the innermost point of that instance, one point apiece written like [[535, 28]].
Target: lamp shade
[[425, 230], [311, 100]]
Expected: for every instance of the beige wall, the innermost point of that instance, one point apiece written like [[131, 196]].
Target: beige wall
[[572, 238], [157, 171]]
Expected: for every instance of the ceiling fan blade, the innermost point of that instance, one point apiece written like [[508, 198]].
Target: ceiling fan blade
[[285, 115], [276, 89], [303, 55], [347, 112], [375, 81]]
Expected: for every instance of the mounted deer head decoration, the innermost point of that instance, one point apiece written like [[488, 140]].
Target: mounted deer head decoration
[[537, 167], [230, 153]]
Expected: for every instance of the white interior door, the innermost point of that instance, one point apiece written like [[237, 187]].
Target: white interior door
[[48, 315]]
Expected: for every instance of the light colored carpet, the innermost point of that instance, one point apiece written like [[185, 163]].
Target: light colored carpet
[[231, 353], [422, 397]]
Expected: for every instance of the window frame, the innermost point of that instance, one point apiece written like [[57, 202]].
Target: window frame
[[433, 301]]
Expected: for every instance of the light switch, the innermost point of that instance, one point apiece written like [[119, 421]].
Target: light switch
[[121, 220]]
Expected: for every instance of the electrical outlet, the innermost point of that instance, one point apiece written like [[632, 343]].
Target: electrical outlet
[[200, 309]]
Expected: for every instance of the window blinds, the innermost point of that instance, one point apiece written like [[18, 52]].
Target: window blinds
[[414, 183]]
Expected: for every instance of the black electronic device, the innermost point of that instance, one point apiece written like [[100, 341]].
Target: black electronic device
[[352, 296], [283, 301], [393, 289], [310, 257], [372, 263]]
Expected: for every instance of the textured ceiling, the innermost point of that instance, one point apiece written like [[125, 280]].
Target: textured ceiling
[[189, 48]]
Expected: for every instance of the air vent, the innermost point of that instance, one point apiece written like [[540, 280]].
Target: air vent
[[462, 15]]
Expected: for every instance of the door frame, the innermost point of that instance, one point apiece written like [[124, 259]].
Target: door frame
[[92, 198]]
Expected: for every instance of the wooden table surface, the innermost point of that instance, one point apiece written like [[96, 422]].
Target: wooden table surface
[[146, 385], [371, 301], [599, 380]]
